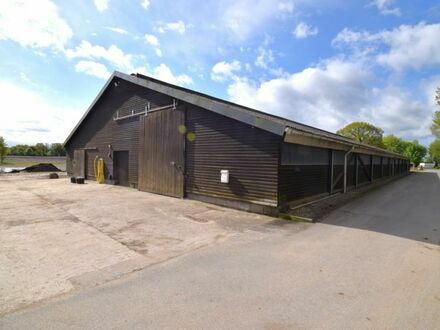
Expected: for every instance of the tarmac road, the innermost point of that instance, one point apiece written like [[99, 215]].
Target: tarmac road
[[374, 263]]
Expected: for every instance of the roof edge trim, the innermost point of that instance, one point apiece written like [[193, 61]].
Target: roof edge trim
[[294, 135], [209, 104]]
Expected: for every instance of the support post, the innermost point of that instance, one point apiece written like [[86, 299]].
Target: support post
[[345, 168], [381, 167], [332, 161], [356, 170], [371, 168]]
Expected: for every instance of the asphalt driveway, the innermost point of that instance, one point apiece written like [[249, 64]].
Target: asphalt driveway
[[374, 263]]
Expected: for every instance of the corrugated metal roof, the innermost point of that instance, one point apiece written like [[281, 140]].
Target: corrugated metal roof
[[260, 119]]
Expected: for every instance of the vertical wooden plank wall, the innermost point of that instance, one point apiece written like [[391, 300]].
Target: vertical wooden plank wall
[[162, 154]]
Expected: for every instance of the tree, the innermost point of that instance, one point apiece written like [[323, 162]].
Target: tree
[[363, 132], [3, 149], [415, 152], [30, 151], [437, 96], [394, 144], [435, 127], [18, 150], [41, 149], [434, 151], [56, 149]]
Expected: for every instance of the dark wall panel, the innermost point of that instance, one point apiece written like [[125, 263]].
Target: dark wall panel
[[338, 170], [100, 130], [351, 170], [215, 142], [304, 172], [377, 168], [298, 182], [386, 166], [364, 168]]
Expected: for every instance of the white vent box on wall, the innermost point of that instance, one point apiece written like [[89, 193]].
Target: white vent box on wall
[[224, 176]]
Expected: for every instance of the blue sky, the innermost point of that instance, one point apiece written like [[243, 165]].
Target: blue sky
[[323, 63]]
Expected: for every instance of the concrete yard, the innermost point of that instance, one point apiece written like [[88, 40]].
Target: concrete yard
[[55, 236], [372, 264]]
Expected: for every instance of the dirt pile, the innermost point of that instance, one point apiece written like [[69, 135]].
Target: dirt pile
[[42, 167]]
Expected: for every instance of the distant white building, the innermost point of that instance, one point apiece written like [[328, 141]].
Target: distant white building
[[427, 165]]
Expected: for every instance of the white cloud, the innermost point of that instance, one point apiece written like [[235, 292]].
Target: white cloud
[[406, 47], [315, 96], [430, 86], [24, 77], [153, 41], [92, 68], [114, 55], [101, 5], [264, 58], [411, 46], [222, 71], [384, 7], [286, 6], [350, 37], [145, 4], [119, 60], [335, 93], [303, 30], [34, 24], [178, 26], [398, 111], [163, 72], [32, 117], [116, 30], [244, 17]]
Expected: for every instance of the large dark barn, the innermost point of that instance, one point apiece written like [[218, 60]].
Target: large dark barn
[[160, 138]]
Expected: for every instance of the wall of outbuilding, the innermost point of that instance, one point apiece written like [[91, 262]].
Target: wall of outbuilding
[[249, 154], [100, 130], [221, 143], [263, 170], [306, 172]]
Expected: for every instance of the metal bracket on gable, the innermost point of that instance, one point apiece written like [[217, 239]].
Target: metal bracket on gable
[[147, 110], [133, 114], [165, 107]]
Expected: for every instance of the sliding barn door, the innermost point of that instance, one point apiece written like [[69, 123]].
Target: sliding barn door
[[162, 152]]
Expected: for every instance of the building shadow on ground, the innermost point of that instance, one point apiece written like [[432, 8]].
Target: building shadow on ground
[[408, 208]]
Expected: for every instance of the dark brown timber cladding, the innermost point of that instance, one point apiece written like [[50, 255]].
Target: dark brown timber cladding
[[386, 166], [250, 154], [338, 170], [100, 130], [304, 172], [162, 154], [364, 170], [377, 168], [351, 169]]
